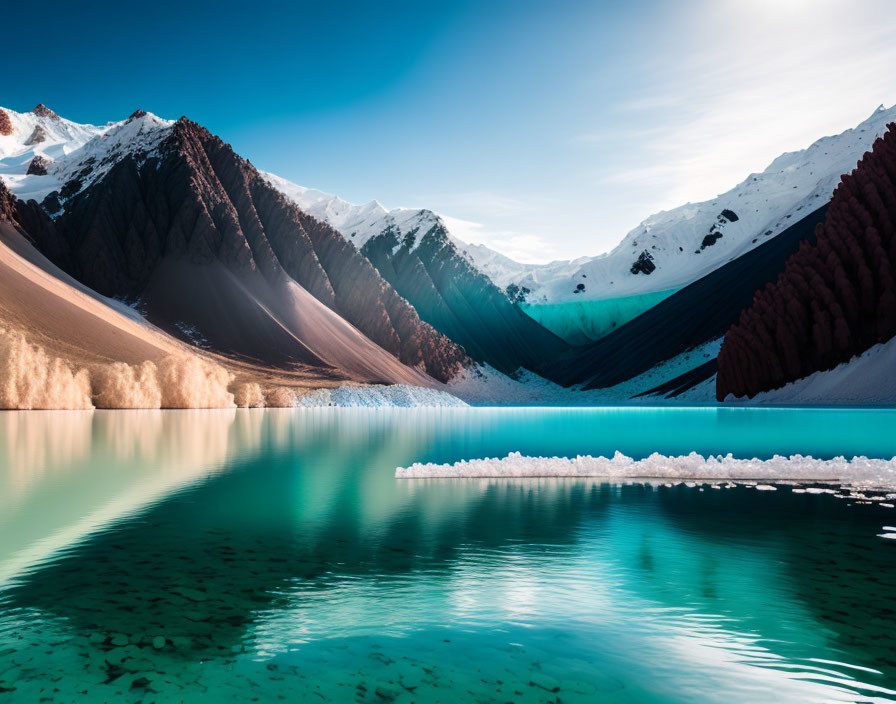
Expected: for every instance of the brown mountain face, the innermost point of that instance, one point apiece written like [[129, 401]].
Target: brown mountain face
[[7, 203], [42, 110], [5, 124], [834, 299], [194, 237]]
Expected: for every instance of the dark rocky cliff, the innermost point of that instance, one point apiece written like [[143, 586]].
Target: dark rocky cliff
[[698, 313], [458, 300], [834, 299], [191, 219]]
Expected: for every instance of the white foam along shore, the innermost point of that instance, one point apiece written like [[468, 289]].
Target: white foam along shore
[[858, 472]]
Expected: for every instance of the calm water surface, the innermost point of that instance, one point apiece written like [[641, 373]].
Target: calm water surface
[[206, 556]]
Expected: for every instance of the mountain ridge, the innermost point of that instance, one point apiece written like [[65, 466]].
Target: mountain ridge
[[147, 199], [413, 250]]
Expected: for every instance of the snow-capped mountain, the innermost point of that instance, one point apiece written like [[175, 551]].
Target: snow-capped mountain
[[413, 250], [504, 271], [33, 142], [676, 247], [164, 215], [357, 223], [666, 251], [834, 299], [43, 152]]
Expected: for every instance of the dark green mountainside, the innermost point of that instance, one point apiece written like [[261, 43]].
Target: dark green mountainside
[[450, 294]]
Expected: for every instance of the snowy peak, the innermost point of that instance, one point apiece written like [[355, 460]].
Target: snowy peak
[[668, 250], [333, 210], [39, 135], [43, 131], [139, 136], [41, 151], [42, 110], [673, 248], [357, 223]]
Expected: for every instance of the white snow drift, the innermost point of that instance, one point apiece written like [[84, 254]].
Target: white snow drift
[[865, 380]]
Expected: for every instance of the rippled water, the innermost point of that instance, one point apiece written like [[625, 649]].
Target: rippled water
[[272, 556]]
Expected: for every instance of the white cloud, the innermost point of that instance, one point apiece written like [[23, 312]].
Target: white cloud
[[521, 247], [756, 79]]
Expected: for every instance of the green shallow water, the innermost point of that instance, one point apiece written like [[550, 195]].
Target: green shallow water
[[272, 556], [581, 322]]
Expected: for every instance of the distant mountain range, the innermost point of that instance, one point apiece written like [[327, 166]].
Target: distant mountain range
[[413, 251], [164, 227]]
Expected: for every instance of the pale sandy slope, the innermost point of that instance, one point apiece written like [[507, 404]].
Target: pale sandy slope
[[46, 315], [67, 319]]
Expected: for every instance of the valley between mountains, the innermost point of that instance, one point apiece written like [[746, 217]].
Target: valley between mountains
[[145, 264]]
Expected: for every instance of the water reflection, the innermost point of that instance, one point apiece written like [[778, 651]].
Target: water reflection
[[264, 541], [63, 475]]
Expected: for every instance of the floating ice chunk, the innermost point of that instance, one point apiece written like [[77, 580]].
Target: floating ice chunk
[[860, 472]]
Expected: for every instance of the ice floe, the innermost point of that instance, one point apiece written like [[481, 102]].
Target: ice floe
[[859, 472]]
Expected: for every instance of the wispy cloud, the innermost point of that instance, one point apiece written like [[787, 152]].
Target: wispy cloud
[[485, 202], [759, 79], [522, 247]]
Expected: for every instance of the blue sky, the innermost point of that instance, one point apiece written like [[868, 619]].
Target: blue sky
[[546, 130]]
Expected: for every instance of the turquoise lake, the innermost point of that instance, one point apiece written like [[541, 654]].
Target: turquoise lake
[[216, 556]]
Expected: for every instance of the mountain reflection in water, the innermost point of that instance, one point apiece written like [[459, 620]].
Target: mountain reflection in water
[[261, 546]]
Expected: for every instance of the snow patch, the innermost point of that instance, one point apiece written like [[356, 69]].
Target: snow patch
[[486, 386], [868, 379], [396, 396]]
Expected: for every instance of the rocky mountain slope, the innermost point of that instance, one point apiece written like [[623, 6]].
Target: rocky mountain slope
[[584, 299], [836, 297], [64, 346], [414, 252], [165, 216], [458, 300], [696, 314]]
